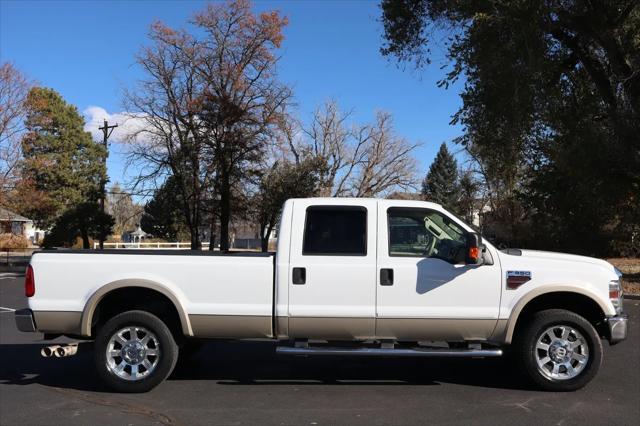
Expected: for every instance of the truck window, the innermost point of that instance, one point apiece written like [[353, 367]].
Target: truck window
[[335, 230], [425, 233]]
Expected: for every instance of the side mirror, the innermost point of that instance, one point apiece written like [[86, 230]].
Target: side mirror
[[474, 249]]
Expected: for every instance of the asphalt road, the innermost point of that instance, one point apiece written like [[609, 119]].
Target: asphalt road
[[246, 383]]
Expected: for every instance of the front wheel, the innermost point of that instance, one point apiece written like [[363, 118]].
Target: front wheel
[[134, 352], [559, 350]]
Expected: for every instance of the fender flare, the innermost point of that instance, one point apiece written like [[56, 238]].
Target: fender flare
[[549, 289], [98, 295]]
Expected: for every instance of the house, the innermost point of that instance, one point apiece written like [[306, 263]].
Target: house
[[242, 235], [13, 223]]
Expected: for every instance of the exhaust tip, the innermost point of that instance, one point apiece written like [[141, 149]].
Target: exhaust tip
[[48, 351], [66, 350]]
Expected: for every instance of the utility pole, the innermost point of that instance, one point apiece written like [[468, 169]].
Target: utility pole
[[106, 132]]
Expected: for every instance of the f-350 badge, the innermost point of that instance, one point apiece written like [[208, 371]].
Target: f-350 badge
[[516, 278]]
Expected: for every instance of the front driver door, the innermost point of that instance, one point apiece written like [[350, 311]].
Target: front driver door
[[425, 290]]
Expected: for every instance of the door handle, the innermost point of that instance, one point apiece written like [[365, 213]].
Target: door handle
[[386, 276], [299, 276]]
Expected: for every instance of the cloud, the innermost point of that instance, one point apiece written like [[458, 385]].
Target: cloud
[[128, 123]]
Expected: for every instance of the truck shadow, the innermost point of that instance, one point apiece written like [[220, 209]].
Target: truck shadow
[[255, 363]]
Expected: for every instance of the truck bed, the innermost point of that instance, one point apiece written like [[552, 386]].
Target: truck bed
[[218, 294]]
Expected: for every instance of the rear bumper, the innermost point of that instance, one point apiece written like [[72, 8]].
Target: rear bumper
[[25, 321], [617, 328]]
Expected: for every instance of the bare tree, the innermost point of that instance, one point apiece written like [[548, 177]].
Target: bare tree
[[243, 100], [170, 140], [330, 138], [13, 92], [213, 104], [386, 163], [124, 211], [360, 160]]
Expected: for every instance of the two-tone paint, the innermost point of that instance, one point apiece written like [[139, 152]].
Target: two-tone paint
[[246, 295]]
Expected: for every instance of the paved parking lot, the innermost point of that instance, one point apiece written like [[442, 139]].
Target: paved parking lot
[[246, 383]]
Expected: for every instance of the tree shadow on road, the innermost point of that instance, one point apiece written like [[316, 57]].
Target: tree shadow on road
[[255, 363]]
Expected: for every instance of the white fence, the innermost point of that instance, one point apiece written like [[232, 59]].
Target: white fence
[[144, 245]]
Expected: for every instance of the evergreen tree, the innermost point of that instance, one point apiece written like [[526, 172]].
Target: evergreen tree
[[61, 160], [468, 189], [283, 181], [162, 215], [441, 183], [84, 221]]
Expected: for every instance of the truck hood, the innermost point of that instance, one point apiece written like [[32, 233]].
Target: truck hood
[[550, 255], [569, 258]]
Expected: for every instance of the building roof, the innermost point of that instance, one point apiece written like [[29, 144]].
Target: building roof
[[138, 232], [9, 216]]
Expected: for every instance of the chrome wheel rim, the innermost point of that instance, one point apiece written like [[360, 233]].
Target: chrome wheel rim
[[133, 353], [561, 352]]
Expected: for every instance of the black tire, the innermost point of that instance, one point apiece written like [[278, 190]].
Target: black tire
[[166, 359], [526, 353]]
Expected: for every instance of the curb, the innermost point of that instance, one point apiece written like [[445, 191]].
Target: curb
[[631, 296]]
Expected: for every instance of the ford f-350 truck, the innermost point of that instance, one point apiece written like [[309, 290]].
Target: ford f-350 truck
[[350, 277]]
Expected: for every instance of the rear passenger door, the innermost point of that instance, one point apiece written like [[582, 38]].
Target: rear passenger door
[[332, 281]]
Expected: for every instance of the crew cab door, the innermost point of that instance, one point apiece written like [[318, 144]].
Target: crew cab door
[[332, 276], [425, 291]]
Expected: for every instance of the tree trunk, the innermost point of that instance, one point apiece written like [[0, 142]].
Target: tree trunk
[[212, 233], [265, 235], [264, 238], [225, 211], [195, 238], [85, 239]]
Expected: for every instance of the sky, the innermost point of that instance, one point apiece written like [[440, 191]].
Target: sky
[[86, 51]]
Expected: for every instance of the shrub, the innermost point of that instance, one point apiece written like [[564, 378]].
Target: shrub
[[13, 242]]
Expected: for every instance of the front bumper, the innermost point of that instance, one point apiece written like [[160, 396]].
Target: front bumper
[[617, 328], [24, 320]]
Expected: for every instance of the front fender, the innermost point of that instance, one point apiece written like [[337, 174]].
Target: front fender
[[505, 333]]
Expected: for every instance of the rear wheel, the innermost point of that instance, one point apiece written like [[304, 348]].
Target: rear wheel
[[559, 350], [134, 352]]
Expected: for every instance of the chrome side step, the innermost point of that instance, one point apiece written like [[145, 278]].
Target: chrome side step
[[384, 352]]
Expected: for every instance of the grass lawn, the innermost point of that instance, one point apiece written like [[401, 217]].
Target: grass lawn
[[630, 267]]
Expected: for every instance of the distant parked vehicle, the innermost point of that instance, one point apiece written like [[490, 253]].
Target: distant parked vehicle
[[382, 277]]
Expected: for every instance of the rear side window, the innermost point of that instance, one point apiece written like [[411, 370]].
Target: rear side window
[[335, 230]]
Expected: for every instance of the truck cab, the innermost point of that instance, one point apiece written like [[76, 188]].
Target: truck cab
[[383, 269]]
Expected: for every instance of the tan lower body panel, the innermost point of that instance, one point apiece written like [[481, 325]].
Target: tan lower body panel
[[331, 328], [437, 329], [282, 327], [231, 326], [500, 332], [62, 322]]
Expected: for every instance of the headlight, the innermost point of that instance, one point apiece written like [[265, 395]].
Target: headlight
[[615, 294]]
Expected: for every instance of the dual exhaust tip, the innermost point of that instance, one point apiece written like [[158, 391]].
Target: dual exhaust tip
[[59, 351]]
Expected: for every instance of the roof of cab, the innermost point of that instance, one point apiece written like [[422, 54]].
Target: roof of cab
[[357, 200]]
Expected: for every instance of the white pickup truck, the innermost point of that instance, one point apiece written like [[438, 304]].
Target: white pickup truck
[[351, 277]]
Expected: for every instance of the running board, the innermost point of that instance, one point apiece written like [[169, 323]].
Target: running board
[[382, 352]]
